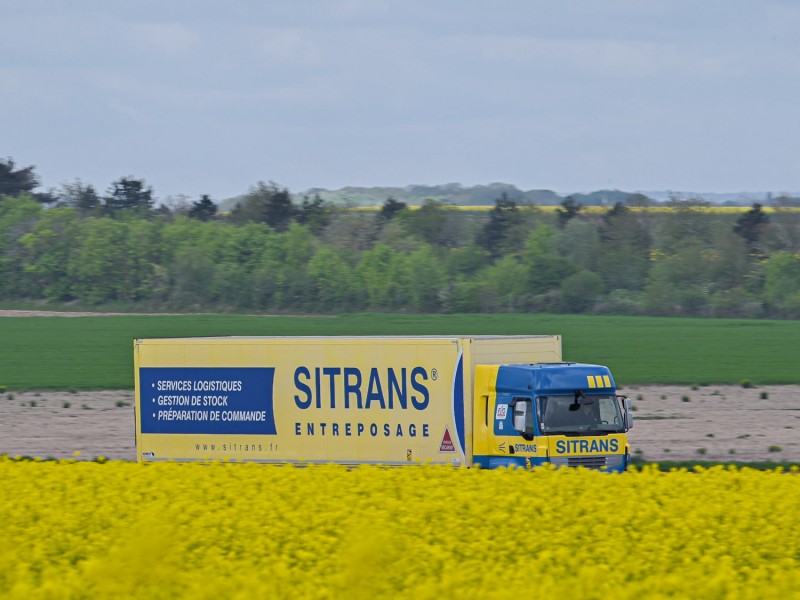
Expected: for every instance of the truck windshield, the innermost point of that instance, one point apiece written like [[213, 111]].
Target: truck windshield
[[571, 414]]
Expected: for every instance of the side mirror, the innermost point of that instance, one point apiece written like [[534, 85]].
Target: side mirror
[[520, 416], [523, 418], [628, 413]]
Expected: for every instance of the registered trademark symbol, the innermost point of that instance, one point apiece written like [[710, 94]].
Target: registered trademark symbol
[[434, 374]]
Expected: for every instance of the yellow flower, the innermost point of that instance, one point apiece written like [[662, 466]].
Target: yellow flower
[[77, 529]]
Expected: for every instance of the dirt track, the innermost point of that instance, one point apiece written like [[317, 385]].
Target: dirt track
[[715, 418], [53, 313]]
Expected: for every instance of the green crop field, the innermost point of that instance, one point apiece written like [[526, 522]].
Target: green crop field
[[96, 352]]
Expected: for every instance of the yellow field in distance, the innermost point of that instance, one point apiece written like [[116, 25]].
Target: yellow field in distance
[[722, 210]]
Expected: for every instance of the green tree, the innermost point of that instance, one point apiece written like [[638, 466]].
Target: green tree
[[315, 213], [504, 217], [729, 261], [395, 235], [784, 231], [47, 251], [204, 209], [13, 181], [230, 285], [97, 260], [680, 279], [683, 225], [579, 243], [266, 203], [18, 216], [246, 244], [81, 197], [623, 258], [351, 230], [335, 281], [141, 272], [377, 269], [580, 290], [192, 276], [782, 283], [545, 268], [751, 225], [570, 208], [293, 251], [499, 287], [390, 208], [638, 200], [467, 260], [428, 223], [129, 195], [680, 283], [427, 279]]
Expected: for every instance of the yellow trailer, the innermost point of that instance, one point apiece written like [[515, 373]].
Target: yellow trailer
[[352, 400]]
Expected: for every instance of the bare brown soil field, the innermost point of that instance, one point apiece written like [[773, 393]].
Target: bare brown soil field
[[718, 423], [56, 424]]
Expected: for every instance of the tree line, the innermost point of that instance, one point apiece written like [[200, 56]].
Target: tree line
[[271, 253]]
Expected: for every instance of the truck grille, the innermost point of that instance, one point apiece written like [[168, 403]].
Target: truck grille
[[589, 462]]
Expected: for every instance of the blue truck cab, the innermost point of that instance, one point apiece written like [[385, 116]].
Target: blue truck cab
[[565, 414]]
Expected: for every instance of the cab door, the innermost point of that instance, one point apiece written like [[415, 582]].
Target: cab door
[[511, 436], [524, 443]]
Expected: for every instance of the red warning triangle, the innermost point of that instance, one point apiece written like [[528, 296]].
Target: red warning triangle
[[447, 442]]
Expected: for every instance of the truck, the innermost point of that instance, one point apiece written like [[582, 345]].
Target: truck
[[473, 401]]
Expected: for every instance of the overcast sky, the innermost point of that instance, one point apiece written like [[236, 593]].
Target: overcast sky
[[201, 97]]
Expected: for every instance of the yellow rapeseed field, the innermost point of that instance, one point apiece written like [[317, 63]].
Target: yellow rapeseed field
[[87, 530]]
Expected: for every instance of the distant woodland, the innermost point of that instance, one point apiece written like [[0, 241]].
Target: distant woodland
[[273, 252]]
